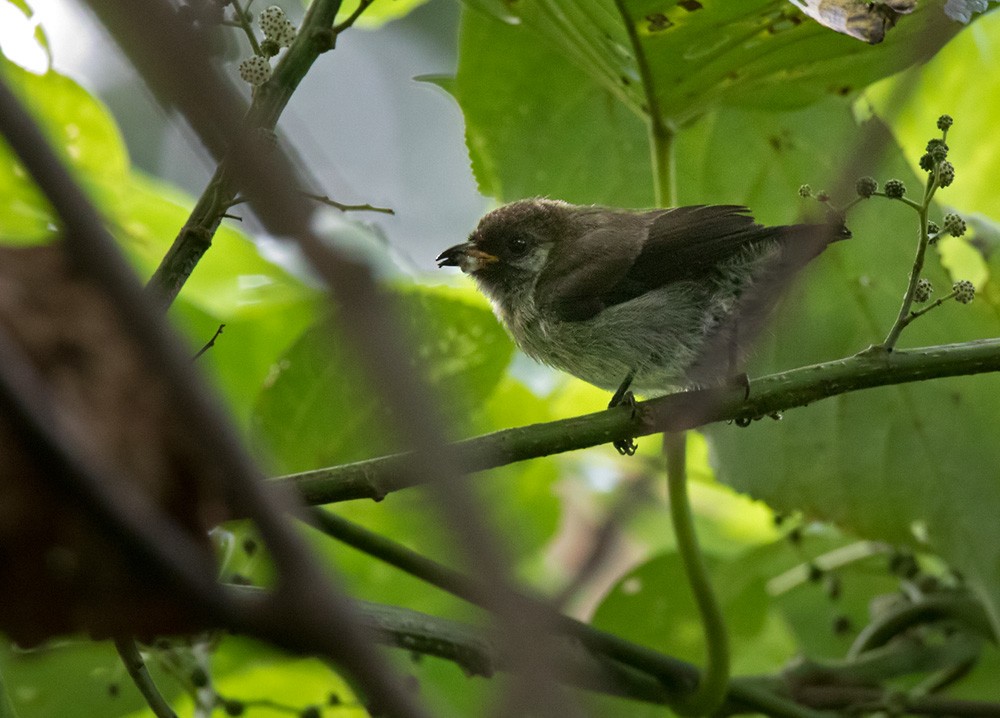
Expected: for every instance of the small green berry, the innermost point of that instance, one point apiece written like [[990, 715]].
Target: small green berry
[[866, 187], [895, 189], [954, 225], [233, 707], [932, 228], [927, 162], [822, 196], [805, 191], [256, 70], [965, 291], [946, 174], [944, 122], [923, 290]]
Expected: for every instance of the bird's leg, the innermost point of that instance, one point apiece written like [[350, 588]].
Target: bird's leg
[[624, 397], [739, 379]]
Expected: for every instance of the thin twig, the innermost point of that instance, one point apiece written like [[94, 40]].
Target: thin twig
[[128, 651], [210, 343], [353, 17], [243, 22], [323, 199]]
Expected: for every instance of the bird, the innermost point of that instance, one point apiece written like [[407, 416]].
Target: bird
[[650, 301]]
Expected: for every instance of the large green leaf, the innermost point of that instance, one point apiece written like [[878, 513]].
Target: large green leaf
[[552, 100], [319, 407], [893, 463], [536, 124]]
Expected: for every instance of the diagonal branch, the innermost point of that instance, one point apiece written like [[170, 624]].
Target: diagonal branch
[[375, 478]]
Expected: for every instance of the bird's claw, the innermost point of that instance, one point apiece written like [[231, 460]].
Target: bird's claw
[[625, 447]]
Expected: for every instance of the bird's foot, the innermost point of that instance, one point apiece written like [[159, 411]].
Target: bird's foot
[[624, 397]]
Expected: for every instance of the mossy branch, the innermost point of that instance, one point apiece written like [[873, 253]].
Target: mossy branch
[[874, 367]]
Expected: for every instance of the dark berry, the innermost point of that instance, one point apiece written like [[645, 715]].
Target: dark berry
[[866, 187], [895, 189], [944, 122]]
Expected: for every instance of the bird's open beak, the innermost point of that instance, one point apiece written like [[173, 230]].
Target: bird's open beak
[[466, 256]]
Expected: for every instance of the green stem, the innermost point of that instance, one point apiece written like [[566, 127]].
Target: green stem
[[661, 136], [136, 667], [712, 687], [923, 240]]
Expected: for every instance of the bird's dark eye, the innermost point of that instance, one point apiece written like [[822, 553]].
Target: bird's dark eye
[[517, 246]]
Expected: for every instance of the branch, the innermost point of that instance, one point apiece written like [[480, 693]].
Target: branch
[[875, 367], [315, 36], [136, 667], [678, 678]]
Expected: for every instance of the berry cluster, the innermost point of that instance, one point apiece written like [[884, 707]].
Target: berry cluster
[[278, 32]]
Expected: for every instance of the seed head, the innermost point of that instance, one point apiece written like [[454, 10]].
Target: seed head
[[923, 290], [866, 187], [964, 290], [954, 225], [895, 189], [256, 70]]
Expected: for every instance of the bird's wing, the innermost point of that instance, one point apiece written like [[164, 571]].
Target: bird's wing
[[671, 245]]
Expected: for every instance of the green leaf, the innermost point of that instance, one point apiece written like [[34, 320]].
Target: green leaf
[[653, 605], [79, 128], [73, 677], [892, 463], [320, 409], [562, 135], [566, 84]]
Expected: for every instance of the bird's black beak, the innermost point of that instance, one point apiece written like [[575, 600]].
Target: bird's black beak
[[466, 256]]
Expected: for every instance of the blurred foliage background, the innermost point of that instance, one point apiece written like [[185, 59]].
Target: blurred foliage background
[[763, 100]]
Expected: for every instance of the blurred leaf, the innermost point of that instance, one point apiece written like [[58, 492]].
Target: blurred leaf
[[231, 280], [653, 605], [320, 409], [71, 678], [79, 128], [379, 13]]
